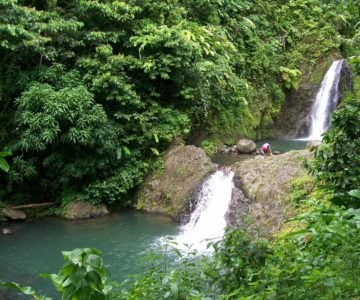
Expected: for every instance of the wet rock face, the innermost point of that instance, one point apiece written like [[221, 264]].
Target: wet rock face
[[266, 182], [13, 214], [237, 214], [345, 78], [84, 210], [171, 189], [294, 119]]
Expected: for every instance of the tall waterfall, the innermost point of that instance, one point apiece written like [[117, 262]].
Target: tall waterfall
[[208, 219], [326, 101]]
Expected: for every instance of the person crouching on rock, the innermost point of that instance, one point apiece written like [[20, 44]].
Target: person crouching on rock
[[266, 149]]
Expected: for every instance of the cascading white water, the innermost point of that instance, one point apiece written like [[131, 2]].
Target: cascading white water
[[208, 219], [325, 102]]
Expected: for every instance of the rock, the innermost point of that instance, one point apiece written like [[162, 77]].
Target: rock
[[224, 149], [246, 146], [266, 182], [84, 210], [170, 190], [345, 78], [294, 119], [312, 145], [238, 209], [276, 152], [178, 141], [7, 231], [233, 149], [13, 214]]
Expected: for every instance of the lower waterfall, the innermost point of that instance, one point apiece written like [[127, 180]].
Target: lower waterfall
[[207, 221]]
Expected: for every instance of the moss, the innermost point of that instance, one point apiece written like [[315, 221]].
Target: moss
[[315, 74], [140, 204], [158, 166], [227, 127], [301, 189], [180, 172]]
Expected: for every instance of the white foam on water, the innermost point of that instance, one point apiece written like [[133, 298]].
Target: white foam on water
[[207, 222]]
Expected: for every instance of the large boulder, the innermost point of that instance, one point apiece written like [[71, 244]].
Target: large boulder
[[266, 181], [84, 210], [246, 146], [168, 190], [13, 214]]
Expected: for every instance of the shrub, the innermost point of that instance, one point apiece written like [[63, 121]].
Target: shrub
[[336, 165]]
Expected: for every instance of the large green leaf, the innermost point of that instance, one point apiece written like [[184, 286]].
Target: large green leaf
[[5, 153], [355, 193], [25, 290], [4, 165]]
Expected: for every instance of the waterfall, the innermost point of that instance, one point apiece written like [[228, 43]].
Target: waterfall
[[208, 219], [326, 101]]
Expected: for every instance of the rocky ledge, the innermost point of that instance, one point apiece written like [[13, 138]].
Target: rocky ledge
[[266, 181]]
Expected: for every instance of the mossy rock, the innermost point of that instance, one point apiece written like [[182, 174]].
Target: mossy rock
[[169, 190], [267, 182], [84, 210]]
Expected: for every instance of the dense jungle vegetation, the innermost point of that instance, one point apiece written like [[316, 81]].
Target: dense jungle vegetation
[[93, 91]]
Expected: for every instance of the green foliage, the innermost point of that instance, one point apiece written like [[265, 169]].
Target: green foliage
[[3, 163], [82, 277], [355, 62], [114, 190], [291, 77], [209, 147], [24, 290], [336, 165], [238, 260], [94, 89], [301, 189], [318, 262], [164, 279]]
